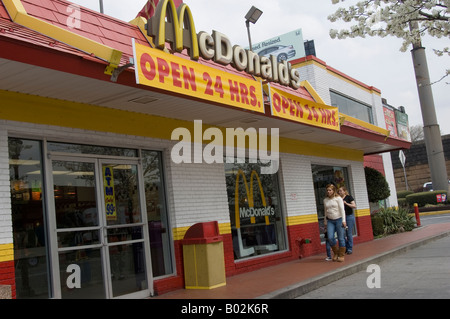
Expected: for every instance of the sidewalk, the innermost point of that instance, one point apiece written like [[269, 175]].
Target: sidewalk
[[292, 279]]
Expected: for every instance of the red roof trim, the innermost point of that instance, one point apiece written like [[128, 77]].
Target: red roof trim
[[364, 133]]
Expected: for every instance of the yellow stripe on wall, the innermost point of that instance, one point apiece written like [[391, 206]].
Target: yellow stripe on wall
[[302, 219], [312, 149], [40, 110], [178, 233], [362, 212], [6, 252], [225, 228]]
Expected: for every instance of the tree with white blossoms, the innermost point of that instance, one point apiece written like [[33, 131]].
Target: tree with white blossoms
[[408, 20]]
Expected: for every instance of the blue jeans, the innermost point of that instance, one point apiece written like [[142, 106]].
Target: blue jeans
[[335, 226], [328, 247], [327, 244], [349, 232]]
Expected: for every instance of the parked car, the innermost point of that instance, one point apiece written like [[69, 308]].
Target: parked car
[[428, 186], [282, 52]]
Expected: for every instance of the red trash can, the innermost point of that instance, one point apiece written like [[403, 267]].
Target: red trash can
[[203, 257]]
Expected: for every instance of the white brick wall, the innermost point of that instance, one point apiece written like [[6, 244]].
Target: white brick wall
[[5, 190], [389, 172], [319, 79], [359, 186], [199, 193], [323, 81], [195, 192], [298, 185]]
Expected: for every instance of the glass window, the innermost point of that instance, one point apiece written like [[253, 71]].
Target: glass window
[[91, 149], [28, 219], [157, 214], [322, 176], [75, 195], [255, 210], [352, 107]]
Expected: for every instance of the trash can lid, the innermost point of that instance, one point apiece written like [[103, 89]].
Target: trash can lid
[[202, 233]]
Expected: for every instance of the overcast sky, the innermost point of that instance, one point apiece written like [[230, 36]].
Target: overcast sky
[[374, 61]]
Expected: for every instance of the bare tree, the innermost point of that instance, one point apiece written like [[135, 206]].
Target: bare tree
[[416, 132]]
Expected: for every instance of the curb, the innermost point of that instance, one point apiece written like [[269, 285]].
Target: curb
[[296, 290]]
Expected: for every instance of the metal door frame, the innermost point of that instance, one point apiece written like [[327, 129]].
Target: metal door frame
[[98, 161]]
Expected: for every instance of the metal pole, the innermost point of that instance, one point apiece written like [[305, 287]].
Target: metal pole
[[417, 214], [431, 131], [101, 6], [406, 179], [247, 23], [402, 158]]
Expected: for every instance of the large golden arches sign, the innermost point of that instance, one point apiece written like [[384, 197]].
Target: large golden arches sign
[[249, 193], [179, 25]]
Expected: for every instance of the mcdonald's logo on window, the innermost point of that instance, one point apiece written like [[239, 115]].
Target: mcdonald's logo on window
[[251, 212], [178, 30]]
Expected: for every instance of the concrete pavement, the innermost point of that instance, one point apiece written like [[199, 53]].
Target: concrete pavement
[[292, 279], [420, 273]]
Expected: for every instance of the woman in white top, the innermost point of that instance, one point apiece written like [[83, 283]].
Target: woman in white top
[[335, 221]]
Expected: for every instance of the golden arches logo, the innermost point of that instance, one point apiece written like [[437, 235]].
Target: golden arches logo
[[249, 193], [179, 24]]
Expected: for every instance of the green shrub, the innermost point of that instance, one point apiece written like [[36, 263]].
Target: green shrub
[[424, 198], [393, 221], [377, 186], [402, 202], [403, 194], [377, 225]]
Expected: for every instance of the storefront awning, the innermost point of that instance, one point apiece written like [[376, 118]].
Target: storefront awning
[[36, 64]]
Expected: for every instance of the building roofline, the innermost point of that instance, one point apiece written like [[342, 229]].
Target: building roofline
[[313, 59]]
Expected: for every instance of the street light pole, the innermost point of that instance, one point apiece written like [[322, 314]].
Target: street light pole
[[431, 131], [247, 23], [252, 16]]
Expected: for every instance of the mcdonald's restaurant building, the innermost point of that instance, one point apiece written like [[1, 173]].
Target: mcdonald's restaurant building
[[112, 149]]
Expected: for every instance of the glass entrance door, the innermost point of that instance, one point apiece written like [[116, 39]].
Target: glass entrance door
[[124, 231], [99, 236]]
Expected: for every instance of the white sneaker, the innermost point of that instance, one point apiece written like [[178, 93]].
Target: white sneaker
[[328, 259]]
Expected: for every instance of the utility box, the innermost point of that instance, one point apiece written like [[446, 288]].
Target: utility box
[[203, 257]]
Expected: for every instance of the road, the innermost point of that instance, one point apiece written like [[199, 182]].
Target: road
[[421, 273], [434, 219]]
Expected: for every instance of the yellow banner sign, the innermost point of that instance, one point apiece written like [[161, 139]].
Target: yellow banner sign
[[110, 196], [294, 108], [171, 73]]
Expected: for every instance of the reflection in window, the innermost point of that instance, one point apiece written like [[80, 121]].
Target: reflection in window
[[90, 263], [75, 194], [91, 149], [255, 210], [30, 243], [157, 214]]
